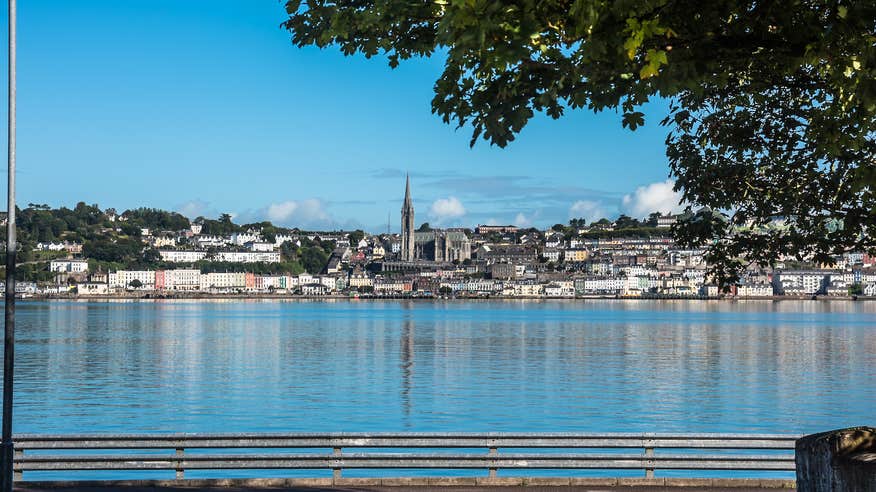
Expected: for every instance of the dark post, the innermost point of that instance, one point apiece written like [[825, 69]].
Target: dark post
[[11, 248]]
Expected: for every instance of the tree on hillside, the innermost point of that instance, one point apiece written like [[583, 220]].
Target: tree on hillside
[[626, 222], [577, 223], [155, 219], [313, 259], [356, 236], [773, 102], [652, 219], [221, 227]]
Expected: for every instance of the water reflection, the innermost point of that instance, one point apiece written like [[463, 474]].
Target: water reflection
[[493, 366], [407, 367]]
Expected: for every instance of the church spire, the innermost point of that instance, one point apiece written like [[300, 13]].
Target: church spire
[[407, 216], [407, 202]]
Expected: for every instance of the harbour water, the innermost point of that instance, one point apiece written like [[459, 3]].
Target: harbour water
[[535, 366]]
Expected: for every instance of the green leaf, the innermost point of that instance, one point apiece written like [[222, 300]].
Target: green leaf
[[633, 120]]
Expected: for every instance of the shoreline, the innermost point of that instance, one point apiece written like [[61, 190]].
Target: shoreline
[[281, 297]]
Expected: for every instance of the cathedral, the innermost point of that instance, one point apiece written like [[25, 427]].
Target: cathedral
[[436, 245]]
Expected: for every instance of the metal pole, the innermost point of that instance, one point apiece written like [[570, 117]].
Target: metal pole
[[11, 248]]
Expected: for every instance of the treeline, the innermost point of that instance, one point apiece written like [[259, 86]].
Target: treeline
[[112, 241], [623, 226]]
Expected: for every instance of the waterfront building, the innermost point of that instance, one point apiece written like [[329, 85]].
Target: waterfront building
[[314, 289], [563, 288], [224, 281], [122, 279], [268, 283], [92, 288], [360, 279], [801, 282], [524, 289], [392, 286], [754, 290], [178, 279]]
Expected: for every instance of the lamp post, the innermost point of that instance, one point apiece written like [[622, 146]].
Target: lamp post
[[11, 247]]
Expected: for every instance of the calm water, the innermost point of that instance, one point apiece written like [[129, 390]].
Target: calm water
[[608, 366]]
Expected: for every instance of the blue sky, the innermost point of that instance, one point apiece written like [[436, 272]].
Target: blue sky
[[206, 107]]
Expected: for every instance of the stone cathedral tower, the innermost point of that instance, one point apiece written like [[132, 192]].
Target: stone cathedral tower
[[407, 225]]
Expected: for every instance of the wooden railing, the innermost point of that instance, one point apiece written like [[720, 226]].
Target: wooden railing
[[438, 451]]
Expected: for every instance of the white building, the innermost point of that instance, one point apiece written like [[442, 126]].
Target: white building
[[178, 279], [604, 285], [279, 239], [210, 241], [248, 256], [754, 290], [314, 289], [223, 281], [260, 246], [163, 241], [68, 266], [172, 256], [551, 254], [803, 282], [93, 288], [122, 279], [241, 238], [562, 288], [524, 289], [386, 286], [667, 221]]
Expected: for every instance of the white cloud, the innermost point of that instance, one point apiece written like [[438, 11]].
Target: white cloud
[[589, 210], [655, 197], [196, 208], [445, 209], [522, 220], [307, 213]]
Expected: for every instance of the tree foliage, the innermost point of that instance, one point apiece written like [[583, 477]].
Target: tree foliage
[[773, 115], [155, 219], [221, 227]]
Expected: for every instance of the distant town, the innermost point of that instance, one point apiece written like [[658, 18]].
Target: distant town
[[90, 253]]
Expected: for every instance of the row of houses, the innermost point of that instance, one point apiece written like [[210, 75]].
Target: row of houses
[[192, 280]]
